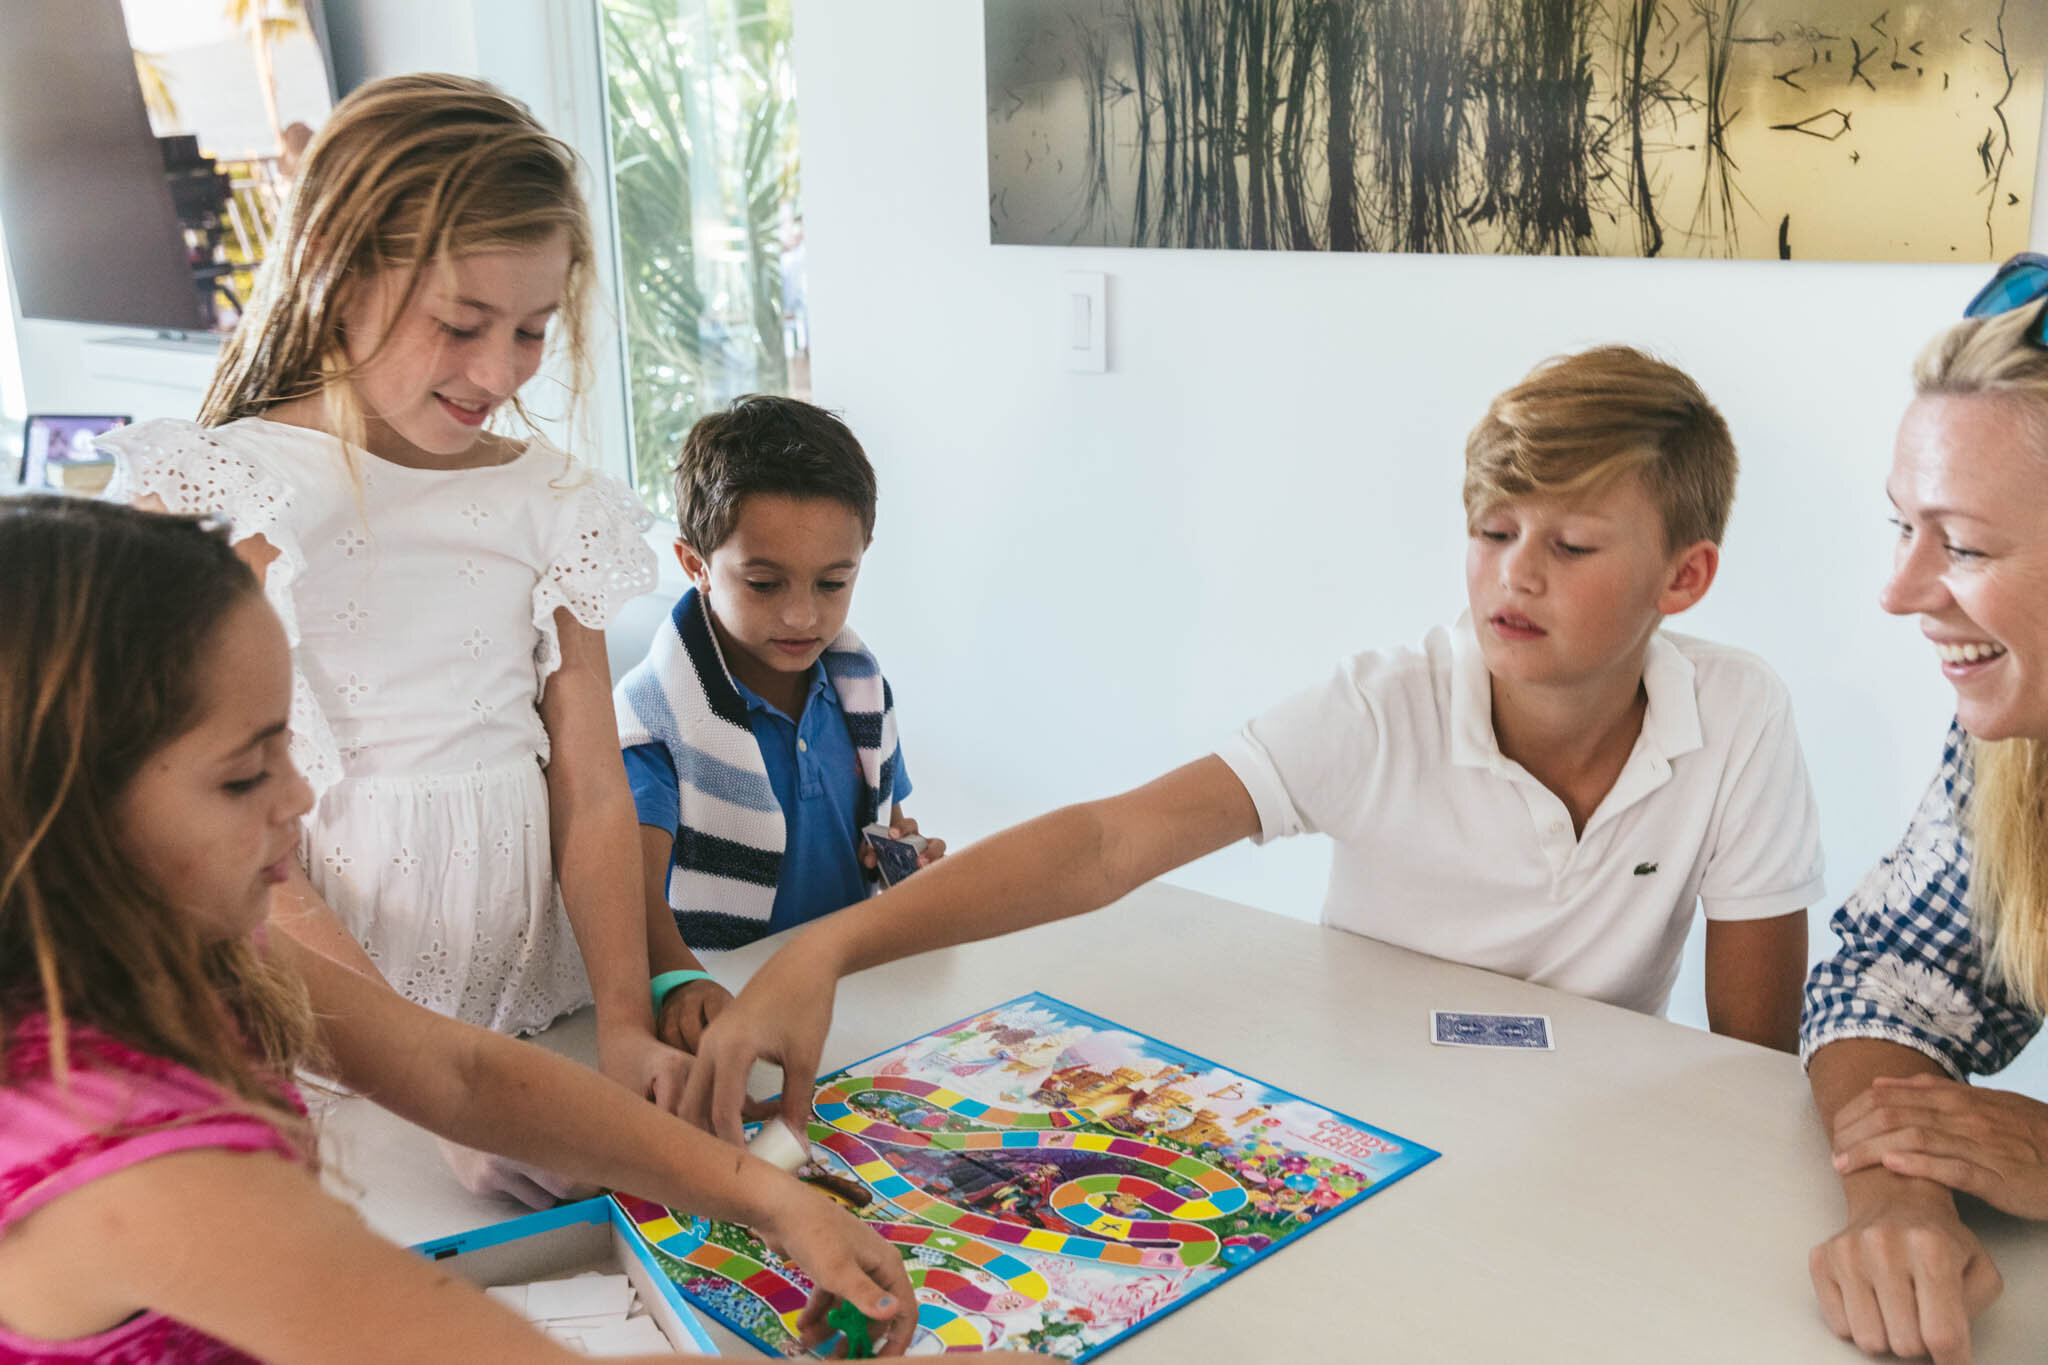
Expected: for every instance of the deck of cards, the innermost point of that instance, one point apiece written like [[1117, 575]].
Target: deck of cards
[[895, 859], [1457, 1028]]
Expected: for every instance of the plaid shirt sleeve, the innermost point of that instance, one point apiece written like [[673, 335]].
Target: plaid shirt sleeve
[[1909, 970]]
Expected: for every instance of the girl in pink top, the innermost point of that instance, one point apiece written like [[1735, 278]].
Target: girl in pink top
[[158, 1201]]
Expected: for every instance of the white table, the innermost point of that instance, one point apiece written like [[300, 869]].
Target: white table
[[1645, 1193]]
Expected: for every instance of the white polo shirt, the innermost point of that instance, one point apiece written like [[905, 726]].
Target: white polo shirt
[[1449, 848]]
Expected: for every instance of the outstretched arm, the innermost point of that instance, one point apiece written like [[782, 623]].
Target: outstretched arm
[[297, 908], [1075, 859], [483, 1090], [248, 1249]]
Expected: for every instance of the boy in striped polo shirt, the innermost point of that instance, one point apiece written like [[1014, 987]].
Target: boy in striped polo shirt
[[759, 734]]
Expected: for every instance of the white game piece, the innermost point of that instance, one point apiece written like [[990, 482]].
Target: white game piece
[[778, 1145], [764, 1077]]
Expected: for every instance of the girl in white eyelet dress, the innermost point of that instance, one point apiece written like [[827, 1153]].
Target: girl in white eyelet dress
[[423, 630], [444, 588]]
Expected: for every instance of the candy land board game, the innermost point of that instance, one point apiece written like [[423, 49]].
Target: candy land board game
[[1055, 1182]]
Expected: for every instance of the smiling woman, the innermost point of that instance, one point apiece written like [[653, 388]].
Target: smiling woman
[[1943, 967]]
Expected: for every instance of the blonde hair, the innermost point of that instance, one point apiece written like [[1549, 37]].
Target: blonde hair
[[2007, 814], [408, 173], [109, 614], [1579, 422]]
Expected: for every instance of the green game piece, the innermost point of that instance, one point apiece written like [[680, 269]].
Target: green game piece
[[853, 1324]]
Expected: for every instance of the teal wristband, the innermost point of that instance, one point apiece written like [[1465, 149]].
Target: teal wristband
[[668, 981]]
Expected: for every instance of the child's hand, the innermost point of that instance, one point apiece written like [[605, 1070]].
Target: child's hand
[[781, 1016], [848, 1261], [488, 1173], [644, 1065], [903, 827], [687, 1011]]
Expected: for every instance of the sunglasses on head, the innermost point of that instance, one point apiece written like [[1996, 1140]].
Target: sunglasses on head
[[2020, 282]]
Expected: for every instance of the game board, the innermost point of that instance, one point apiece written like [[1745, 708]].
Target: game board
[[1055, 1182]]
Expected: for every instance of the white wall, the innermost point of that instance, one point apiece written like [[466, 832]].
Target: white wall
[[1081, 580]]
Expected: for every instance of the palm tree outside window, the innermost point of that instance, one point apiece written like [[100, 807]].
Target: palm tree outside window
[[701, 103]]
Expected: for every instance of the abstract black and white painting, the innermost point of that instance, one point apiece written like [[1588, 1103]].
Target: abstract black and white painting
[[1801, 129]]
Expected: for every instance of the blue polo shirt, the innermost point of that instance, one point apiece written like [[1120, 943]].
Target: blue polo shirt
[[816, 777]]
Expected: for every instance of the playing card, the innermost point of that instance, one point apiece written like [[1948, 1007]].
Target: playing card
[[895, 858], [1457, 1028]]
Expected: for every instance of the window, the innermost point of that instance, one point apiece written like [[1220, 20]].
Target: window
[[702, 106]]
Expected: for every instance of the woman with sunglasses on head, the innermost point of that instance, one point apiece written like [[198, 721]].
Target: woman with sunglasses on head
[[1943, 967]]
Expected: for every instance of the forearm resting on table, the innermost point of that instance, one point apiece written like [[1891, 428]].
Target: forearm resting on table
[[1073, 860], [1838, 1073]]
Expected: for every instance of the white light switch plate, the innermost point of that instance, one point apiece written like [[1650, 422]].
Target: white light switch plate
[[1084, 333]]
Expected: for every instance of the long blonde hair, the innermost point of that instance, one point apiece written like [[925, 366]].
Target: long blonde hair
[[2008, 807], [109, 615], [408, 173]]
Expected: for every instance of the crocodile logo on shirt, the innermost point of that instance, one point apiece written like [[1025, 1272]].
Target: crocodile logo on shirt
[[1645, 869]]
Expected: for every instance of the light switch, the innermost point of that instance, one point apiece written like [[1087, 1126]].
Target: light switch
[[1086, 334]]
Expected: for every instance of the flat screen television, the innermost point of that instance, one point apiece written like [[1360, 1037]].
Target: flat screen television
[[146, 148]]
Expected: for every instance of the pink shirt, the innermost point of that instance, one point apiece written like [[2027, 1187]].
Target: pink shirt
[[119, 1107]]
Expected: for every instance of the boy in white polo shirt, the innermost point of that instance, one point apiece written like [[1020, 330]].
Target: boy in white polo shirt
[[1545, 788]]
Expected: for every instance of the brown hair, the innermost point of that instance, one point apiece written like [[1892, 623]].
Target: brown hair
[[2007, 813], [109, 616], [1578, 422], [408, 173], [765, 443]]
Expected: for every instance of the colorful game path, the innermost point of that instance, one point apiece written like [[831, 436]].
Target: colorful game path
[[1176, 1240]]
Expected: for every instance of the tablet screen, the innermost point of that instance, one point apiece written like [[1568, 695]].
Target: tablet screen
[[57, 451]]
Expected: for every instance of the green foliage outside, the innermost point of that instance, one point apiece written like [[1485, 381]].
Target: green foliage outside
[[704, 156]]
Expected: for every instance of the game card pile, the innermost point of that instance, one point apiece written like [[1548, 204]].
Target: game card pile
[[594, 1313]]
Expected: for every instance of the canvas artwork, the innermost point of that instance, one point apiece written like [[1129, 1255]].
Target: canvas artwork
[[1795, 129], [1054, 1181]]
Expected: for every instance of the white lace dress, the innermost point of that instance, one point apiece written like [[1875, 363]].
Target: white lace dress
[[420, 606]]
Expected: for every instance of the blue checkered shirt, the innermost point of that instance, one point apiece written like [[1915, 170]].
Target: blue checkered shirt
[[1909, 970]]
